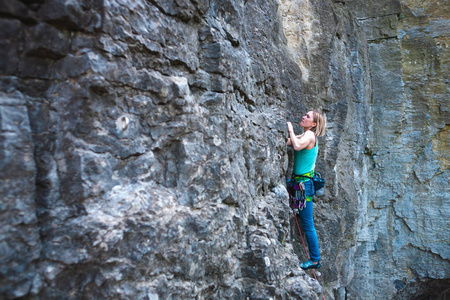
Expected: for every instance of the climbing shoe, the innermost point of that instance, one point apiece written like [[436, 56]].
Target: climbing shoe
[[309, 265]]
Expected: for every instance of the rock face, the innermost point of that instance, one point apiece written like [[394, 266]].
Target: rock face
[[143, 148], [385, 232], [143, 151], [402, 236]]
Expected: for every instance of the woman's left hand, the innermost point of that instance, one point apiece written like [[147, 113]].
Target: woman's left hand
[[290, 128]]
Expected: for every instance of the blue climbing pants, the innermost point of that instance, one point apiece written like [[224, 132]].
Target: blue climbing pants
[[306, 217]]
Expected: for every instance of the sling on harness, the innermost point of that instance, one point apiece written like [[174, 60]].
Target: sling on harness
[[296, 189], [297, 198]]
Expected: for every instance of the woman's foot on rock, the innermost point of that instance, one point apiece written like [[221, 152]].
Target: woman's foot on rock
[[310, 265]]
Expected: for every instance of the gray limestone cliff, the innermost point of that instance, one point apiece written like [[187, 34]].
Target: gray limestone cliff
[[402, 236], [142, 148]]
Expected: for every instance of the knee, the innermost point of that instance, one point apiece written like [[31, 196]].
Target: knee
[[309, 228]]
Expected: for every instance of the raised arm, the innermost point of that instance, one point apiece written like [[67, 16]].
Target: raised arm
[[302, 141]]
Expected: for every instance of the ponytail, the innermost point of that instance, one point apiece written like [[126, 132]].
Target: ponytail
[[321, 123]]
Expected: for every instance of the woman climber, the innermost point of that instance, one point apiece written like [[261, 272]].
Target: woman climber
[[306, 148]]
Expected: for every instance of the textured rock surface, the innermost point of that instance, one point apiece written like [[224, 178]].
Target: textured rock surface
[[19, 243], [403, 238], [143, 148]]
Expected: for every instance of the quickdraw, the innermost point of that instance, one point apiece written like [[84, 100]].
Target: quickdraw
[[296, 189], [297, 197]]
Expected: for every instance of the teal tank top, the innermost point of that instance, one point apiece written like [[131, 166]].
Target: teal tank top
[[305, 160]]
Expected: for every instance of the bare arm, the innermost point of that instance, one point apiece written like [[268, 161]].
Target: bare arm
[[289, 143], [302, 141]]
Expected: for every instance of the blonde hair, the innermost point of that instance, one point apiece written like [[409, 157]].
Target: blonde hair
[[321, 123]]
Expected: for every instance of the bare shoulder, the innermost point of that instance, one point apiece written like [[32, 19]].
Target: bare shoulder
[[310, 136]]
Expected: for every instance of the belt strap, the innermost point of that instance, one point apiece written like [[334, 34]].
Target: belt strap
[[303, 177]]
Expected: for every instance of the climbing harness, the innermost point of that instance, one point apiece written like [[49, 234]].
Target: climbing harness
[[292, 205], [319, 183], [296, 186], [296, 189], [297, 197]]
